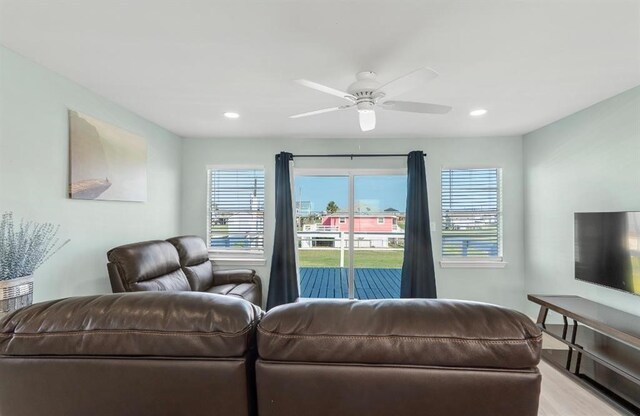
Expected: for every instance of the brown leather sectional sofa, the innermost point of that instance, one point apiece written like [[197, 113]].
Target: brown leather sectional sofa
[[138, 354], [397, 357], [178, 264], [167, 353]]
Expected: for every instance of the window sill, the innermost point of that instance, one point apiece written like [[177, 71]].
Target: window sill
[[237, 259], [472, 264]]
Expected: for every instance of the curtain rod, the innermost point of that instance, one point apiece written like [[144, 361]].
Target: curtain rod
[[352, 155]]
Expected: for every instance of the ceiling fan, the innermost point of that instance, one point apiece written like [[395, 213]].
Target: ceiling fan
[[367, 93]]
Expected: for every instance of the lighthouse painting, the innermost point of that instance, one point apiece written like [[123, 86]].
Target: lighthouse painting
[[106, 162]]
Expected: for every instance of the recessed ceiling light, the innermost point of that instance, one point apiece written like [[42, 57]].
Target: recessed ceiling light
[[230, 114], [478, 112]]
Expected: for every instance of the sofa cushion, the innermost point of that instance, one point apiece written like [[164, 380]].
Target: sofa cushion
[[186, 324], [400, 331], [194, 260], [221, 289], [149, 266], [247, 291], [242, 289]]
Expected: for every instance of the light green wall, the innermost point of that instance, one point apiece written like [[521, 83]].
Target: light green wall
[[589, 161], [502, 286], [34, 174], [586, 162]]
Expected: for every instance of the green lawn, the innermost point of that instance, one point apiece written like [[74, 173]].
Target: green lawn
[[362, 258]]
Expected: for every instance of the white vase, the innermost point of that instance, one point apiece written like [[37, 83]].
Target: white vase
[[15, 294]]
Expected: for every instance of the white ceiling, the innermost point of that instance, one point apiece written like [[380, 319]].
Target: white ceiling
[[182, 63]]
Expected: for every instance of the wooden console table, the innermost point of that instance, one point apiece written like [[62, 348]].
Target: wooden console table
[[603, 353]]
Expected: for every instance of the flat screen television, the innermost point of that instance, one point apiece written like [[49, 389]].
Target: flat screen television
[[607, 249]]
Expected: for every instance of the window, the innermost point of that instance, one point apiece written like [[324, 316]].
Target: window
[[343, 220], [380, 220], [236, 210], [471, 214]]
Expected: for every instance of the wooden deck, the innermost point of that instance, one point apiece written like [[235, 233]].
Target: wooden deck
[[331, 282]]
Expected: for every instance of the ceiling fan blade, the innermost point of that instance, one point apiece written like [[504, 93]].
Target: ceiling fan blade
[[367, 120], [325, 89], [413, 107], [324, 110], [407, 82]]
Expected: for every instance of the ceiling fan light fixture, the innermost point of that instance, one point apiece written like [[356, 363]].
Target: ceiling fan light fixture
[[478, 112], [365, 107]]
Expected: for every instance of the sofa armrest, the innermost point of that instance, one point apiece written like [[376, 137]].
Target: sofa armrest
[[223, 277], [117, 286]]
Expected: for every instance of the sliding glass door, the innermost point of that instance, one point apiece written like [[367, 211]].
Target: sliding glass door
[[379, 215], [350, 233], [322, 224]]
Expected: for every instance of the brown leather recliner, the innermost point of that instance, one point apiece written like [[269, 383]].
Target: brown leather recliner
[[397, 357], [178, 264], [146, 266], [155, 354], [200, 272]]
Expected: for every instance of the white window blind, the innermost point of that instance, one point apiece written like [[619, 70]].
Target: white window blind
[[471, 213], [236, 210]]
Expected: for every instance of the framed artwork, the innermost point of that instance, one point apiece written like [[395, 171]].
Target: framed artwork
[[105, 161]]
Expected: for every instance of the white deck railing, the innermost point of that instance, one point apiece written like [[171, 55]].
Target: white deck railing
[[318, 227]]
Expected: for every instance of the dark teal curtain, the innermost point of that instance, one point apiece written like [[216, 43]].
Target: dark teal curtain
[[418, 274], [283, 280]]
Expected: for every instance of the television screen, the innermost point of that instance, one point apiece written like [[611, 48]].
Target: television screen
[[607, 249]]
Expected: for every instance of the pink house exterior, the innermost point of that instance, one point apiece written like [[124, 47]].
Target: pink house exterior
[[363, 223]]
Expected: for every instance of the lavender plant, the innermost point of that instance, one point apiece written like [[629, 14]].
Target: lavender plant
[[26, 247]]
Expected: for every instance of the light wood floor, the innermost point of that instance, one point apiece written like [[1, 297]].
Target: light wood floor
[[561, 396]]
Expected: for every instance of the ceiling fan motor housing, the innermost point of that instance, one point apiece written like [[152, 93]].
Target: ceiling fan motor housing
[[363, 90]]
